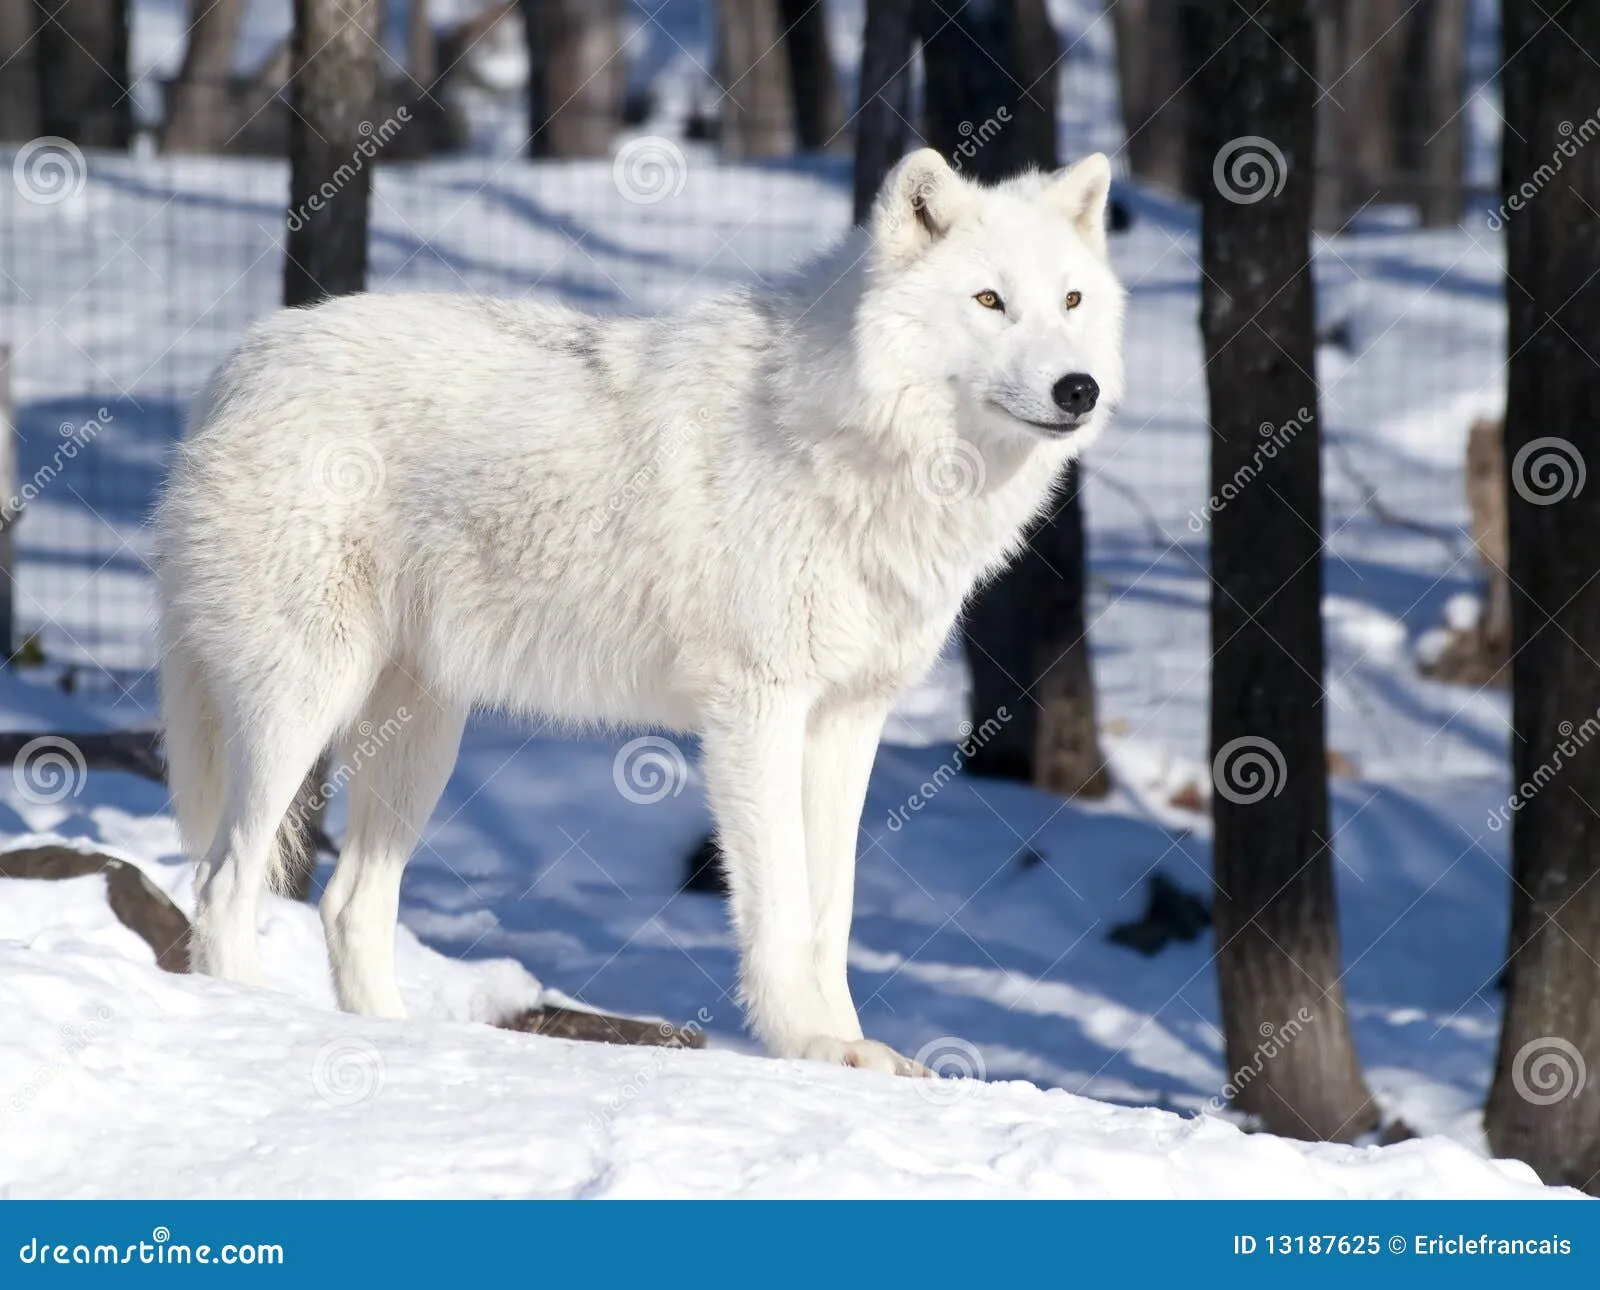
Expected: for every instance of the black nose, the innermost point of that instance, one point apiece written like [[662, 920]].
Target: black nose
[[1076, 393]]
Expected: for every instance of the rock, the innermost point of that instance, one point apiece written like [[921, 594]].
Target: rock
[[138, 903], [597, 1027], [1172, 914]]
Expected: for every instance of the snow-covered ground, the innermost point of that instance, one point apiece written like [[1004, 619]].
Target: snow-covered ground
[[546, 864]]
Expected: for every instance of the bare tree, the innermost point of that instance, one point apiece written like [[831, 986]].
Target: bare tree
[[757, 105], [1155, 98], [335, 80], [82, 63], [576, 76], [19, 72], [1275, 912], [1362, 46], [1431, 94], [881, 119], [199, 116], [818, 103], [1544, 1106], [990, 105]]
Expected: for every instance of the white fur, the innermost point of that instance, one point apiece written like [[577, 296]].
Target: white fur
[[756, 521]]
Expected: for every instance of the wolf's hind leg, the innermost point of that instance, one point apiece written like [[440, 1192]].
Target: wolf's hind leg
[[397, 762]]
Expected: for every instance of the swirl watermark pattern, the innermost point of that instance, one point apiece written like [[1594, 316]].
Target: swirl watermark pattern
[[1548, 470], [649, 769], [347, 1072], [649, 169], [1249, 769], [373, 141], [49, 171], [1274, 439], [950, 1061], [347, 471], [1274, 1039], [1548, 1070], [949, 470], [1249, 169], [48, 770]]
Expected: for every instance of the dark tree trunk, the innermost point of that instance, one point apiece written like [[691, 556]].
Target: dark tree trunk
[[19, 73], [1362, 45], [990, 106], [818, 104], [1154, 86], [330, 181], [1275, 912], [757, 103], [83, 71], [576, 76], [881, 130], [1544, 1107], [1430, 130], [199, 116]]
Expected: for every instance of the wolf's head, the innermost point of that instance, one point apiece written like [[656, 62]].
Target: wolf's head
[[1006, 294]]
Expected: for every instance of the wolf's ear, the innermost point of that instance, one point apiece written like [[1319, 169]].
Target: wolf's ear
[[1080, 193], [918, 202]]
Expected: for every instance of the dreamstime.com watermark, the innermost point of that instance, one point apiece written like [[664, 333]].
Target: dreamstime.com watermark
[[49, 171], [649, 169], [76, 1039], [1573, 138], [1274, 1039], [1573, 740], [633, 1088], [372, 739], [648, 475], [649, 769], [1548, 470], [975, 137], [74, 438], [374, 140], [1248, 169], [1274, 439], [971, 739], [1548, 1070], [160, 1249], [48, 770], [1249, 769]]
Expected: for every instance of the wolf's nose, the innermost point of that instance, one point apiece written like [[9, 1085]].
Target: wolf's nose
[[1076, 393]]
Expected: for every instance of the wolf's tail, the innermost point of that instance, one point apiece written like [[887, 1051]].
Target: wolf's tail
[[197, 773]]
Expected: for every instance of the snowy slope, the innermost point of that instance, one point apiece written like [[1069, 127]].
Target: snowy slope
[[128, 1082]]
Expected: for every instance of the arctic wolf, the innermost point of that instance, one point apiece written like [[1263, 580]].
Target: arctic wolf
[[756, 521]]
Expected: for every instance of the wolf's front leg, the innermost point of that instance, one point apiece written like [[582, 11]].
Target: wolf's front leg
[[841, 744], [755, 753]]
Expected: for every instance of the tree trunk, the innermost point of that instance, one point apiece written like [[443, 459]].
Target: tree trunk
[[83, 71], [330, 183], [577, 76], [1362, 104], [990, 106], [1155, 95], [1287, 1033], [818, 104], [1544, 1106], [19, 73], [757, 106], [1431, 137], [199, 103], [422, 51], [885, 107]]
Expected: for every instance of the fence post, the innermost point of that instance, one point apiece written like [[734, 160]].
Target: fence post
[[8, 490]]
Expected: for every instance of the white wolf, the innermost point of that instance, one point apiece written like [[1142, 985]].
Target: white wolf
[[756, 521]]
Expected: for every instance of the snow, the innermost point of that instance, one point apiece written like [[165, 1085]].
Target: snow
[[982, 915]]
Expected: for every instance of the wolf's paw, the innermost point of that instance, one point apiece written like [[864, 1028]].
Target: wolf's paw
[[863, 1054]]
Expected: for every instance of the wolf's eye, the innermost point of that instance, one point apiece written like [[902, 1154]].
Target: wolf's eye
[[1074, 299], [990, 300]]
